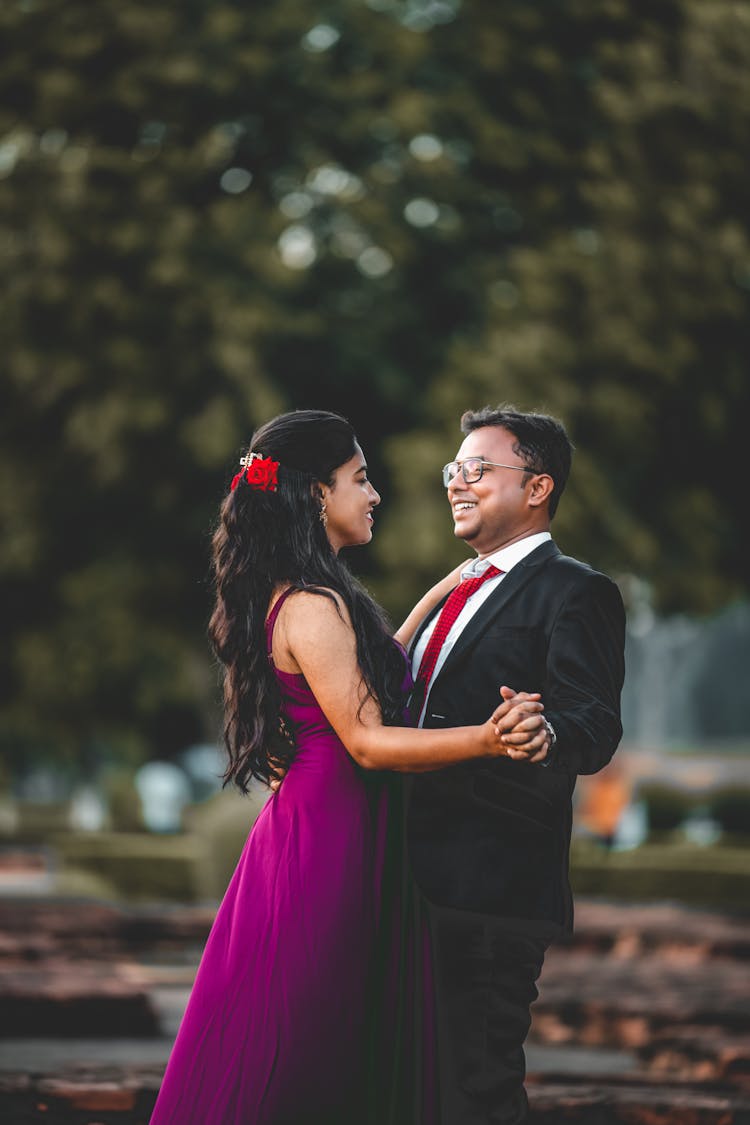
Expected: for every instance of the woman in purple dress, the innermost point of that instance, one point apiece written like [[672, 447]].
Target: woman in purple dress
[[310, 996]]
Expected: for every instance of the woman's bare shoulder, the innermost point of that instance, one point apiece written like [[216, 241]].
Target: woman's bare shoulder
[[315, 606]]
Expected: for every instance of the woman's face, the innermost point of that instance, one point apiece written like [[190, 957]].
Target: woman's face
[[349, 503]]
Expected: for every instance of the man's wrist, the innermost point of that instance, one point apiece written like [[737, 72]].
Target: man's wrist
[[552, 736]]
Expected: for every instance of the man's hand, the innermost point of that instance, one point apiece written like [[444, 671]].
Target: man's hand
[[521, 726]]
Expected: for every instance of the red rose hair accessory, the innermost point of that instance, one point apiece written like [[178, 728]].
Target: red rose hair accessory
[[260, 472]]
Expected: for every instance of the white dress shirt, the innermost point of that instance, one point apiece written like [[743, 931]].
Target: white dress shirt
[[504, 559]]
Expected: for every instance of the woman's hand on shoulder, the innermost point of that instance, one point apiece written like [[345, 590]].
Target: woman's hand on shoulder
[[428, 602]]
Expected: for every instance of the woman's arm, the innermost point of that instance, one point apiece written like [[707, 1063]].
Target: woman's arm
[[427, 603], [317, 636]]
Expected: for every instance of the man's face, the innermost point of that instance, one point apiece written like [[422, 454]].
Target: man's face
[[493, 511]]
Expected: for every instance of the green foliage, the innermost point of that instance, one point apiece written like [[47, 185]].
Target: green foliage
[[138, 867], [715, 877], [222, 825], [183, 868], [123, 803], [616, 290], [667, 807], [209, 214], [730, 807]]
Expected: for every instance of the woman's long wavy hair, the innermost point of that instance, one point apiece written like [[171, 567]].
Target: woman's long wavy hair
[[267, 539]]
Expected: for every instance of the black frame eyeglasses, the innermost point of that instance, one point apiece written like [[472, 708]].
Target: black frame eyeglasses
[[473, 468]]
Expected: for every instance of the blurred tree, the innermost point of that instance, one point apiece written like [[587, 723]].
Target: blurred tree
[[393, 208], [611, 255]]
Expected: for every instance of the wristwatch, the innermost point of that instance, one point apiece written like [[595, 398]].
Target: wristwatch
[[547, 760]]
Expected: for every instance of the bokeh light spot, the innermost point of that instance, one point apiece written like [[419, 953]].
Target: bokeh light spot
[[587, 240], [421, 212], [423, 15], [9, 154], [321, 38], [296, 204], [236, 180], [426, 147], [331, 179], [375, 262], [297, 247], [53, 141]]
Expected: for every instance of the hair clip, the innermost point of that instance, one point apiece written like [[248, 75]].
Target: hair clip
[[260, 472]]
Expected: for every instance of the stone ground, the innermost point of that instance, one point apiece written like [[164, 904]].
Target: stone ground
[[643, 1018]]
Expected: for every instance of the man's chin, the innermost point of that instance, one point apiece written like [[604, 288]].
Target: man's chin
[[465, 533]]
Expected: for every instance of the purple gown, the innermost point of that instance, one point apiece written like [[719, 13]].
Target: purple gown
[[303, 1007]]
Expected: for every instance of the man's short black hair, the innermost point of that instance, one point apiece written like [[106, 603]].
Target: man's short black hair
[[541, 442]]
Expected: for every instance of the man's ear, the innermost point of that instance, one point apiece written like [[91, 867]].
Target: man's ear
[[541, 488]]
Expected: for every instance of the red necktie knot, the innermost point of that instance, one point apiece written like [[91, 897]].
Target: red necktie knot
[[454, 603]]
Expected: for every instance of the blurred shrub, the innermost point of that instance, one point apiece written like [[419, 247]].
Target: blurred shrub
[[731, 809], [138, 867], [40, 823], [123, 802], [75, 882], [717, 877], [222, 824], [667, 806]]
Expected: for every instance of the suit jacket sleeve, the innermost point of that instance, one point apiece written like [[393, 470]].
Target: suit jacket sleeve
[[584, 675]]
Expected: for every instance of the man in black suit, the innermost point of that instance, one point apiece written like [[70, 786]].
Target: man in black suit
[[489, 841]]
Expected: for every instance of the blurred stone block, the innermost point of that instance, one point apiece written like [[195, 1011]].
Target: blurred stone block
[[632, 930], [74, 1001], [32, 930], [700, 1052], [125, 1096], [597, 999], [81, 1096], [26, 871], [633, 1103]]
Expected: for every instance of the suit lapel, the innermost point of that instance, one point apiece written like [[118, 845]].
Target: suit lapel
[[509, 587]]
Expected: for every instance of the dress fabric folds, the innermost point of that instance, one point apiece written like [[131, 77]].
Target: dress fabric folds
[[309, 1003]]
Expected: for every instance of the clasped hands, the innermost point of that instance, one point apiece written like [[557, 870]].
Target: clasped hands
[[520, 727]]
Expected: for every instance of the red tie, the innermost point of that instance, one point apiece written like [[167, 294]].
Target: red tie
[[455, 602]]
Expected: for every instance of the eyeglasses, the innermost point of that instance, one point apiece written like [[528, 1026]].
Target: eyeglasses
[[473, 468]]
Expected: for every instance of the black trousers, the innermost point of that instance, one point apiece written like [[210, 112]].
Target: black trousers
[[485, 972]]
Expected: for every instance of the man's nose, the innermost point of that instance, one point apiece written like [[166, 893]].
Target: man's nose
[[456, 483]]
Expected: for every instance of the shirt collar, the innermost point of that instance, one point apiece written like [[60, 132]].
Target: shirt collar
[[507, 557]]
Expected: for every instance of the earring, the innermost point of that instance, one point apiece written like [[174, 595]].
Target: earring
[[323, 514]]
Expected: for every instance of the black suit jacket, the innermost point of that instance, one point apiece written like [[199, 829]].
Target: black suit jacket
[[494, 836]]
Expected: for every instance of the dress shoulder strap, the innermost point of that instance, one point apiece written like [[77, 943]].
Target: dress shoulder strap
[[271, 619]]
